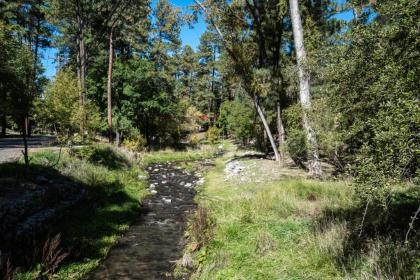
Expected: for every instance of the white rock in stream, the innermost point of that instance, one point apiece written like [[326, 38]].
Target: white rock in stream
[[200, 181], [153, 191], [164, 182], [188, 185], [152, 186], [166, 200]]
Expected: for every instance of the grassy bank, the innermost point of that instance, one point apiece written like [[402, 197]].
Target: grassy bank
[[202, 152], [113, 193], [290, 229], [90, 229]]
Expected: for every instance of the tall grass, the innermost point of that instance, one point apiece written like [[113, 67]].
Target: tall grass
[[90, 229], [281, 230]]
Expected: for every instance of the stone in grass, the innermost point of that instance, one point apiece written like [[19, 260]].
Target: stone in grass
[[142, 177], [186, 261]]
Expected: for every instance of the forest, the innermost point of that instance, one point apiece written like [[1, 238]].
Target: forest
[[283, 142]]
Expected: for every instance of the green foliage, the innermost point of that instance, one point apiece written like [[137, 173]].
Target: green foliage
[[101, 155], [237, 118], [213, 134], [135, 143], [16, 66], [59, 109], [372, 83], [295, 136]]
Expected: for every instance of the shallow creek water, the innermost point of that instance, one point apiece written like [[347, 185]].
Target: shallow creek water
[[153, 244]]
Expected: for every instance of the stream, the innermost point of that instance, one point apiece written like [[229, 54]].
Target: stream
[[153, 243]]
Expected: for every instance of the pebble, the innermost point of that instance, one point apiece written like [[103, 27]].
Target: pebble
[[153, 191], [188, 185]]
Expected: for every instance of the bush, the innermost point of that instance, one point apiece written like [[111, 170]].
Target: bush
[[194, 140], [213, 134], [295, 141], [136, 144], [236, 117]]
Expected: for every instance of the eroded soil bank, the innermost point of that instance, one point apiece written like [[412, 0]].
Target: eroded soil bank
[[156, 240]]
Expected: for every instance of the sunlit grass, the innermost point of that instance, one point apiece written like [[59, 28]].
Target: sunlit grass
[[284, 230]]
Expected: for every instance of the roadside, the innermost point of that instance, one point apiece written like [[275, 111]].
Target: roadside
[[11, 147]]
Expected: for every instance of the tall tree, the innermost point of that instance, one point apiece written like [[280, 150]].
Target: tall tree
[[241, 27], [314, 165]]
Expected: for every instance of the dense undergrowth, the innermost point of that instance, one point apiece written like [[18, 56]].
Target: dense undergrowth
[[300, 229]]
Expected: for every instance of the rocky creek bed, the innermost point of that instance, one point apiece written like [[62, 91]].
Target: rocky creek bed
[[154, 242]]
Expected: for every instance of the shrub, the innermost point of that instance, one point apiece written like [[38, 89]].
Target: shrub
[[236, 117], [213, 134], [194, 140], [136, 144]]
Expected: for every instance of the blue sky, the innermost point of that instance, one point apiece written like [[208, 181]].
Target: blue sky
[[189, 36]]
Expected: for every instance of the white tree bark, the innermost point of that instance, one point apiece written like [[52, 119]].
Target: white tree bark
[[267, 130], [314, 165]]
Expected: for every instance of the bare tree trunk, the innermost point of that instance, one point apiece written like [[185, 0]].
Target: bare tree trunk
[[109, 86], [3, 124], [314, 165], [117, 139], [267, 130], [280, 129], [25, 143], [81, 68]]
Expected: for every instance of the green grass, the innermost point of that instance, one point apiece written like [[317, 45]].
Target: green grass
[[286, 230], [170, 155], [91, 228]]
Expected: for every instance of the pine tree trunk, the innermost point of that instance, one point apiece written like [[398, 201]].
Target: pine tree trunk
[[117, 138], [3, 124], [314, 165], [280, 129], [25, 143], [109, 86], [81, 67], [267, 130]]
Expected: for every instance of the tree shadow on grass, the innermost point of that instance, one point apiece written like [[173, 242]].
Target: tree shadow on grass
[[382, 236], [102, 155], [85, 227]]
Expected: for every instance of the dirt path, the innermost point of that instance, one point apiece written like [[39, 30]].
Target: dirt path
[[156, 240]]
